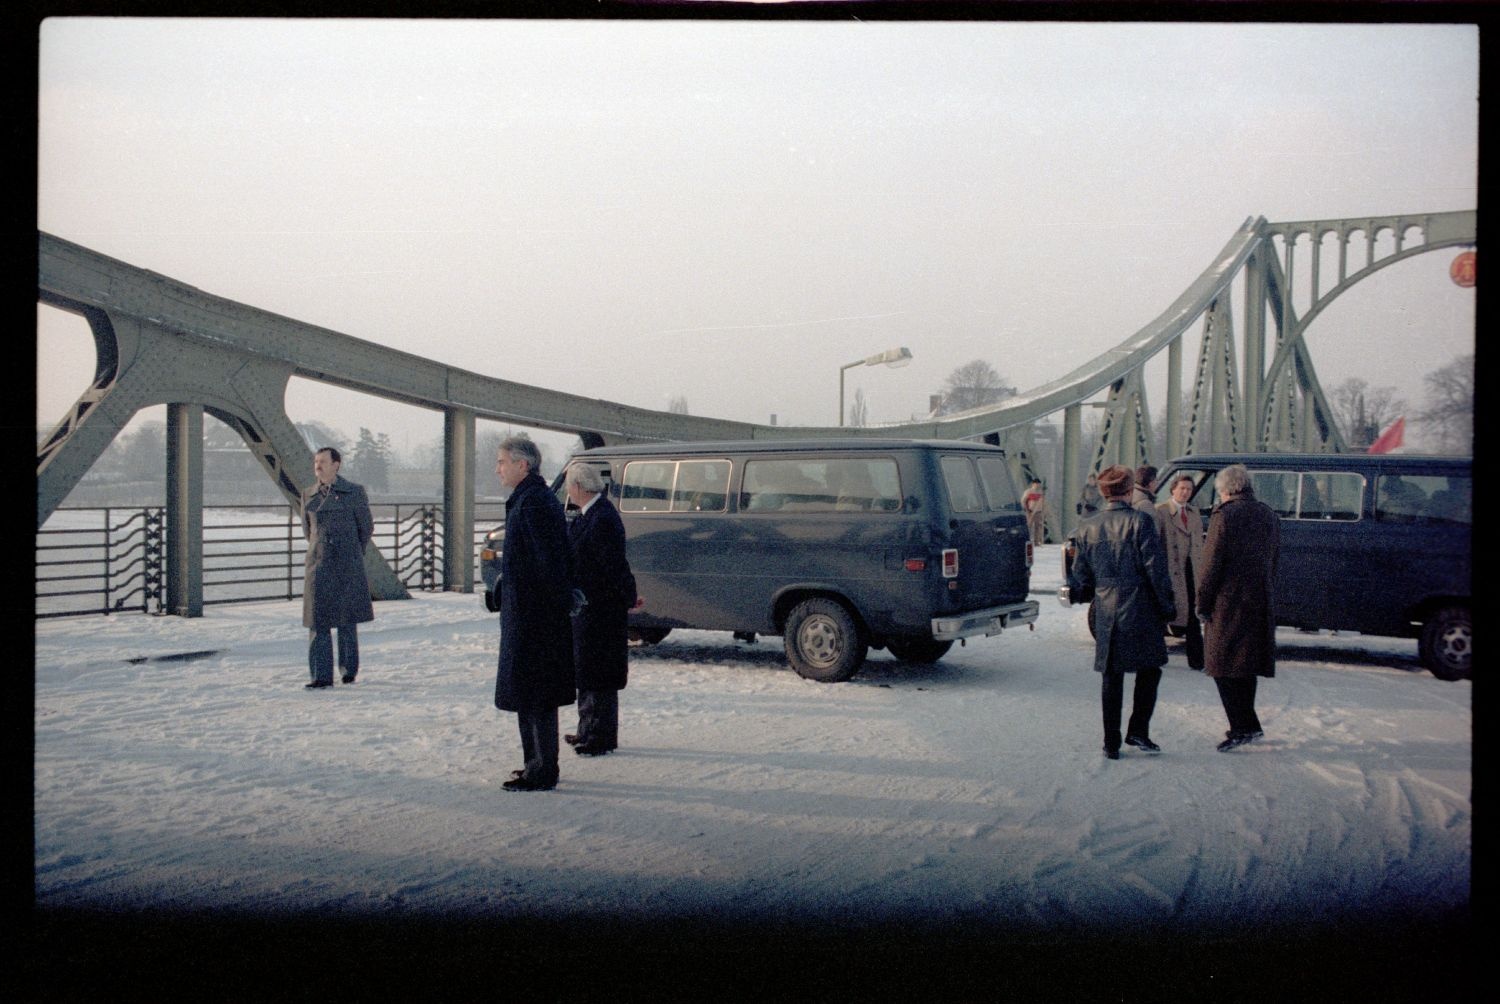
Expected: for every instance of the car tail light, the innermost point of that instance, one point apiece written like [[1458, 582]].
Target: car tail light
[[1030, 554], [916, 564], [950, 562]]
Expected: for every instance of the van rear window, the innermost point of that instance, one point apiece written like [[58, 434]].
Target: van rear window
[[824, 485], [1421, 498]]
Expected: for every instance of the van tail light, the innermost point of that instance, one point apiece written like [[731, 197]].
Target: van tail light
[[916, 564], [1030, 554], [950, 562]]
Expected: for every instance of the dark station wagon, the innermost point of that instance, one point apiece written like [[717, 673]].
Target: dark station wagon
[[1375, 544], [838, 546]]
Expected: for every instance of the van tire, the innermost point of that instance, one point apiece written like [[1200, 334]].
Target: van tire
[[491, 603], [648, 635], [918, 649], [823, 642], [1446, 645]]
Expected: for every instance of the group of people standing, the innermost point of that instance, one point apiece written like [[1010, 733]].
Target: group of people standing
[[565, 590], [1144, 566]]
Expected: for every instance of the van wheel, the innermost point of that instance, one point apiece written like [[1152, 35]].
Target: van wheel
[[822, 641], [491, 603], [1093, 631], [1446, 645], [648, 635], [918, 649]]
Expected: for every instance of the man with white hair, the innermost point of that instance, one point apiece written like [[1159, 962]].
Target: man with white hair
[[601, 628], [1237, 601]]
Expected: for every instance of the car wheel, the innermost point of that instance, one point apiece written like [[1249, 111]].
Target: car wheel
[[1093, 631], [491, 603], [823, 642], [918, 649], [649, 635], [1446, 645], [1176, 631]]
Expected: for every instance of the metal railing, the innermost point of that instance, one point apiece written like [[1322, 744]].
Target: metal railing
[[93, 560]]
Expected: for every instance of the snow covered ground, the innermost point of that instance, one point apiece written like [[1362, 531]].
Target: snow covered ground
[[180, 767]]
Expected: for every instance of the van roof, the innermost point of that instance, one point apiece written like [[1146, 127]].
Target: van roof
[[786, 446], [1365, 460]]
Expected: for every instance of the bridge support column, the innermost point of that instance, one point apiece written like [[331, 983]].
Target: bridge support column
[[458, 500], [1067, 518], [1174, 400], [185, 509], [1255, 346]]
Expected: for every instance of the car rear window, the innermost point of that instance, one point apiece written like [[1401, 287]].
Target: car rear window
[[837, 484], [999, 489]]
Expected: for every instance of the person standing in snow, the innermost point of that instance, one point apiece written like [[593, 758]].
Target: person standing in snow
[[1121, 566], [535, 675], [1182, 535], [1034, 502], [601, 633], [335, 593], [1236, 600]]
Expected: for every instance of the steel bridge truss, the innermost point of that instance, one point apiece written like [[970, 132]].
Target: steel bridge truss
[[160, 341]]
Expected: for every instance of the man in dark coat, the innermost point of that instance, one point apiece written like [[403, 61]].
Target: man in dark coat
[[1120, 565], [1236, 600], [535, 677], [601, 628], [335, 593]]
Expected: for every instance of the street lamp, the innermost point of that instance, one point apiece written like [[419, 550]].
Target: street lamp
[[890, 357]]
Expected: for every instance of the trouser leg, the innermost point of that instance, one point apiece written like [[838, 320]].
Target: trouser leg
[[1144, 703], [1238, 697], [1194, 626], [588, 717], [320, 655], [539, 744], [1112, 696], [607, 718], [348, 649]]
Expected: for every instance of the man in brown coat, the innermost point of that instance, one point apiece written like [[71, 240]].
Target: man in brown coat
[[1182, 534], [1237, 602]]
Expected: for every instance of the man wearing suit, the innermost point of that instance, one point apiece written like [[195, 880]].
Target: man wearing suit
[[600, 629], [1182, 533], [535, 675]]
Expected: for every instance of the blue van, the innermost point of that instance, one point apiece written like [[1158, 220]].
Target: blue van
[[1374, 544], [838, 546]]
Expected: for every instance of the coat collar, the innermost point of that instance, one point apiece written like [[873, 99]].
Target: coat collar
[[339, 485]]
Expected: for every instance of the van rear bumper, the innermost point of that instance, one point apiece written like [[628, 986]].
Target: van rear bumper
[[986, 622]]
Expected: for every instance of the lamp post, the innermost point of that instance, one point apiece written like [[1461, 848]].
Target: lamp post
[[893, 358]]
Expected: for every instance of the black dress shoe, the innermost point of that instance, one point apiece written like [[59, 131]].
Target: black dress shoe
[[349, 678], [1142, 743], [591, 749], [523, 784], [1234, 739], [317, 685], [518, 772], [1110, 754], [570, 738]]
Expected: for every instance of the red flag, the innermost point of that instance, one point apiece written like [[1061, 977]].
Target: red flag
[[1391, 438]]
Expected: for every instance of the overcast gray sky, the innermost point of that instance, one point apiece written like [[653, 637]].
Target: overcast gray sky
[[729, 211]]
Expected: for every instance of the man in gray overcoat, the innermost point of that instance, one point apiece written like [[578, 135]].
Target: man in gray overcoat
[[1120, 565], [1237, 600], [1182, 534], [335, 593], [535, 676]]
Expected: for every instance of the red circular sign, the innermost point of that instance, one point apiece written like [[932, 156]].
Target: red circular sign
[[1462, 269]]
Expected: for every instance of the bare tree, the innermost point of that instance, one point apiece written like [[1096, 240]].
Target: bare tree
[[1450, 406], [1362, 411], [678, 405], [859, 411], [973, 385]]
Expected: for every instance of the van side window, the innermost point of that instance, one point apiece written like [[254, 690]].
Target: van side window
[[1277, 489], [1332, 496], [702, 486], [963, 487], [836, 485], [647, 486], [1423, 498], [998, 486]]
